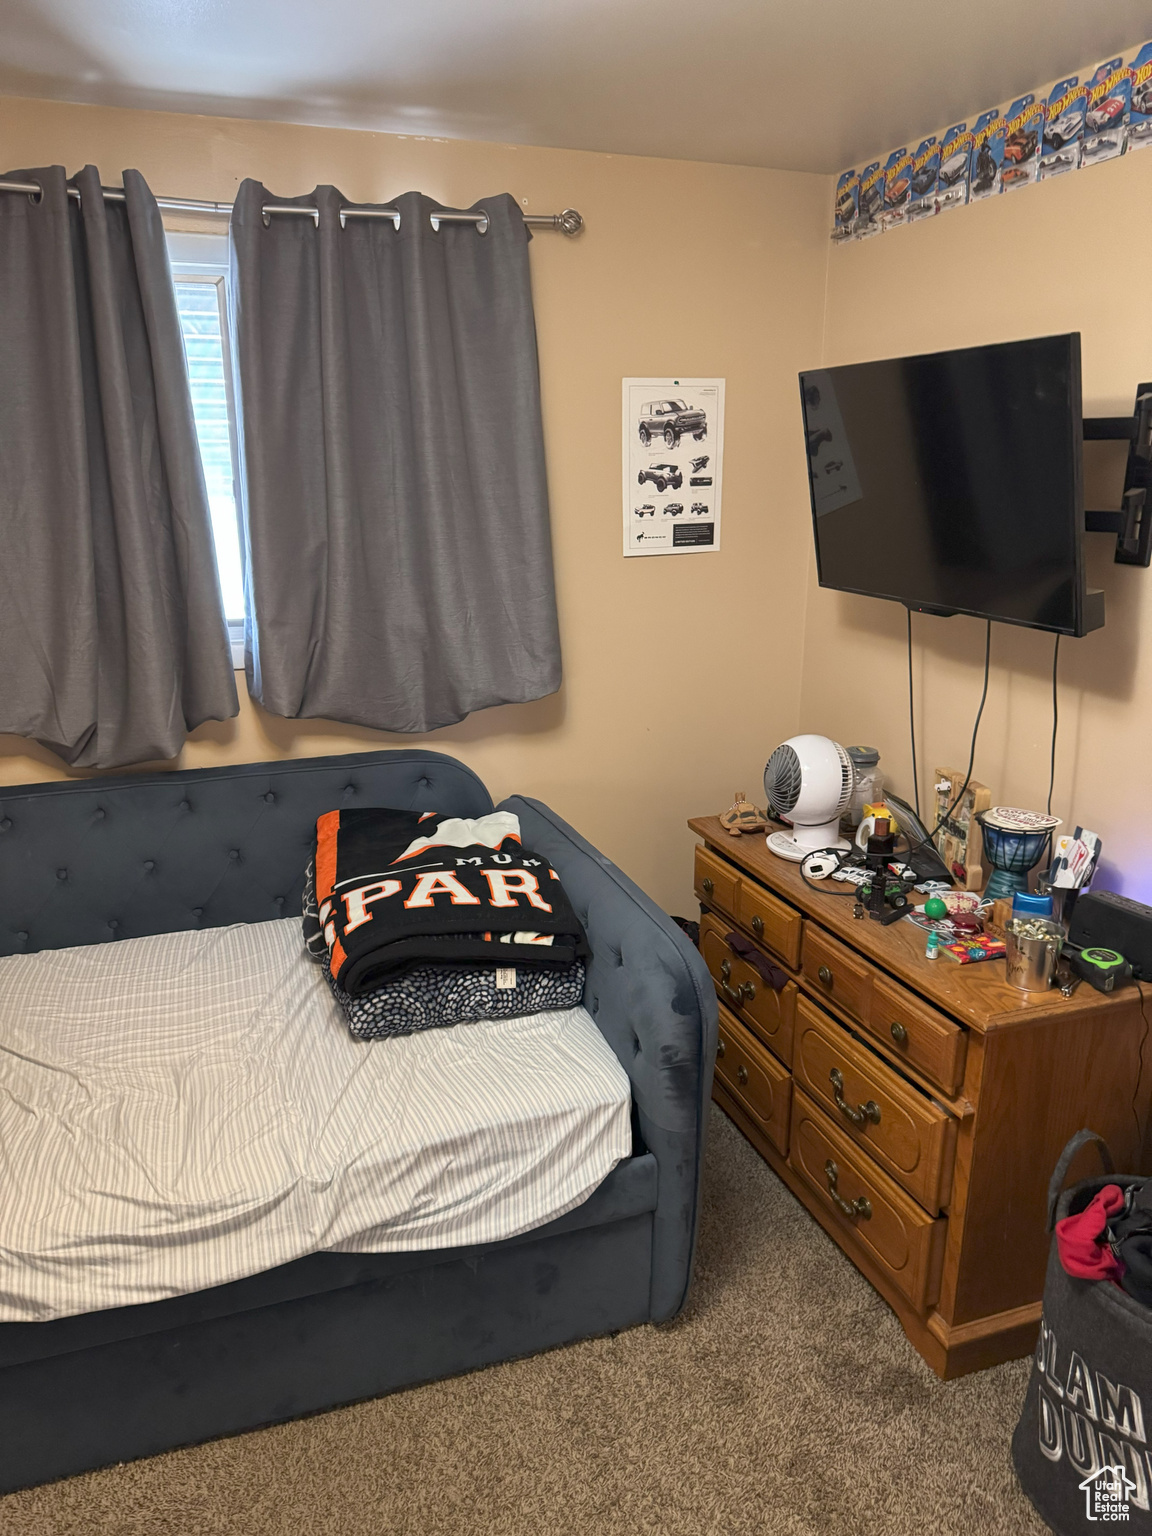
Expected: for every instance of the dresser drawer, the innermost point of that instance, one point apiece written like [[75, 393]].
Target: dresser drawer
[[772, 922], [754, 1077], [769, 1014], [870, 1209], [836, 973], [910, 1137], [717, 884], [925, 1039], [769, 920]]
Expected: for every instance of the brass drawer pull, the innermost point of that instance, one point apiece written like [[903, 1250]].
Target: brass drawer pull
[[825, 975], [737, 996], [742, 1074], [706, 886], [869, 1111], [758, 926], [899, 1034], [861, 1206], [720, 1048]]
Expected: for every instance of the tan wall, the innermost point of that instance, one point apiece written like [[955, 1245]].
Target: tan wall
[[1066, 255], [681, 672]]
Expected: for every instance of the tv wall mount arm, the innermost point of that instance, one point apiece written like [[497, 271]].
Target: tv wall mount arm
[[1132, 525]]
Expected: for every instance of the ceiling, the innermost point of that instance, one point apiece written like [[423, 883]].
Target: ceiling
[[812, 85]]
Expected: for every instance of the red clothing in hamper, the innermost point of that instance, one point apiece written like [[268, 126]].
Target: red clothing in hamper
[[1082, 1239]]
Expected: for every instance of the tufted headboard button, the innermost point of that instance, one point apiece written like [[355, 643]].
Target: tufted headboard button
[[185, 805], [5, 824], [233, 853], [113, 922], [22, 936], [99, 813], [149, 865], [197, 911], [278, 900], [61, 874], [269, 798]]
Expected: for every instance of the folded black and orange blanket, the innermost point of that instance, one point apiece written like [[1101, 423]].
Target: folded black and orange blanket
[[391, 889]]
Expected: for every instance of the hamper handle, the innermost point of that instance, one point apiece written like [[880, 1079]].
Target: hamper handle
[[1064, 1162]]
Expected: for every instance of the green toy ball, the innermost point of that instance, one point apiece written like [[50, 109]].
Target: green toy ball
[[934, 907]]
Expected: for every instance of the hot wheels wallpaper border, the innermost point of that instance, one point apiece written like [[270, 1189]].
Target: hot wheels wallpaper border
[[1071, 125]]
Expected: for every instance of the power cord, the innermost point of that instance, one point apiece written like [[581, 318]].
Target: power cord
[[947, 816], [1052, 757], [1140, 1063], [1055, 723], [912, 719]]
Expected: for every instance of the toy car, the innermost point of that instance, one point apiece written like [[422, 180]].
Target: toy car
[[1011, 174], [924, 180], [698, 464], [672, 419], [1142, 97], [700, 480], [1101, 145], [1020, 145], [1066, 128], [699, 509], [953, 168], [1062, 162], [949, 196], [870, 200], [833, 466], [1140, 131], [647, 510], [1105, 114], [897, 192], [674, 508], [662, 476], [845, 207], [985, 170]]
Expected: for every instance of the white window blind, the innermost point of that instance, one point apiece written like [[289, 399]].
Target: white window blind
[[200, 277]]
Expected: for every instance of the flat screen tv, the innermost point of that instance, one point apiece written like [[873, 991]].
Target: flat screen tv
[[952, 482]]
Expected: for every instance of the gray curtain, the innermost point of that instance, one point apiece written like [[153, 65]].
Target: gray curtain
[[112, 638], [399, 561]]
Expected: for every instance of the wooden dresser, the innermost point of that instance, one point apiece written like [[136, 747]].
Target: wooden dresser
[[915, 1107]]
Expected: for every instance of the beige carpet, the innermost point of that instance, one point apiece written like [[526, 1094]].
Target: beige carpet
[[787, 1402]]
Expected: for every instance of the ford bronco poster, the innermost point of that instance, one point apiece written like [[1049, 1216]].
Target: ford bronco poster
[[673, 449]]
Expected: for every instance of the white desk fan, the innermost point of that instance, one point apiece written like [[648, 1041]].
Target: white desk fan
[[809, 782]]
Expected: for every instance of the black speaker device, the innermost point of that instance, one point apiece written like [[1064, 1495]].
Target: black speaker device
[[1102, 919]]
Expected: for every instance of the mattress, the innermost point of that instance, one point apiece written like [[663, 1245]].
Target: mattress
[[180, 1111]]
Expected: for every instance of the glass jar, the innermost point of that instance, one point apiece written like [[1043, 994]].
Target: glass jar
[[869, 783]]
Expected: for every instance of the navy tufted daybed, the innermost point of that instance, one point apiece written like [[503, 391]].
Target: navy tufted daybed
[[103, 859]]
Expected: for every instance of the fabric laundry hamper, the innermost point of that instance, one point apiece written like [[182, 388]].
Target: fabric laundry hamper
[[1081, 1449]]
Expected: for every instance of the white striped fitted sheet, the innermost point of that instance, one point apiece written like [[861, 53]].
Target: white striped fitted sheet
[[184, 1110]]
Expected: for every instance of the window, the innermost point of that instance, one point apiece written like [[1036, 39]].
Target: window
[[200, 276]]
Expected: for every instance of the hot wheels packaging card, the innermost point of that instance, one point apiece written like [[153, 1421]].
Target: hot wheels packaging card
[[1106, 115], [871, 201], [925, 170], [1023, 130], [897, 187], [952, 183], [847, 205], [1063, 126], [1139, 133], [987, 155]]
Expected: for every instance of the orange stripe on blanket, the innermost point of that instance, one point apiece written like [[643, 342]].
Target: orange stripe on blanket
[[327, 831], [336, 958]]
